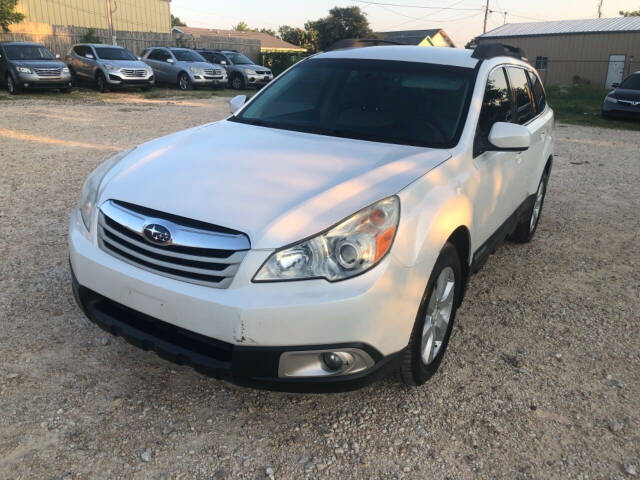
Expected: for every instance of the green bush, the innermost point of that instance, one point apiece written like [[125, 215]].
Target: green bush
[[278, 62]]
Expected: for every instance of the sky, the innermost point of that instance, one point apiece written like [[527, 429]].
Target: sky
[[461, 19]]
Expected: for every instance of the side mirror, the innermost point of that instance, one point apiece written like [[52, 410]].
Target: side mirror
[[89, 56], [169, 60], [509, 137], [236, 103], [58, 57], [223, 62], [139, 58]]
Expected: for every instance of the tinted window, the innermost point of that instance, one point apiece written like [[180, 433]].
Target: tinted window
[[496, 107], [28, 52], [159, 55], [632, 82], [239, 59], [110, 53], [538, 92], [208, 56], [187, 56], [395, 102], [525, 109]]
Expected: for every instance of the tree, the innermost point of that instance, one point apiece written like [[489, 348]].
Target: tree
[[241, 27], [176, 22], [303, 38], [347, 22], [8, 14], [633, 13], [268, 31]]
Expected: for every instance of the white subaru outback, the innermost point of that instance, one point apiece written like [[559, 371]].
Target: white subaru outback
[[325, 232]]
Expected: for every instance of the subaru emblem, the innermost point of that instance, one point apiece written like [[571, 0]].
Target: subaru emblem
[[158, 234]]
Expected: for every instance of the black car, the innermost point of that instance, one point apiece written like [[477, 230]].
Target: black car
[[26, 65], [624, 101]]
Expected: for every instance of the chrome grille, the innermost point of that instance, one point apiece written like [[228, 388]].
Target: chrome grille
[[198, 253], [130, 72], [210, 72], [48, 72]]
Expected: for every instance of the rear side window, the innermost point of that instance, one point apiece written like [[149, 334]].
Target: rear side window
[[538, 92], [496, 107], [525, 109], [81, 50], [159, 55]]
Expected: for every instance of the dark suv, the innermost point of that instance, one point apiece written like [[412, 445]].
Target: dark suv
[[241, 70], [26, 65]]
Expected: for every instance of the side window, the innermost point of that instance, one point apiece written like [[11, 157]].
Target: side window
[[153, 55], [496, 107], [525, 108], [159, 55], [217, 58], [538, 92]]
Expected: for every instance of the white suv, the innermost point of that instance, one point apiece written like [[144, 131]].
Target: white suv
[[325, 232]]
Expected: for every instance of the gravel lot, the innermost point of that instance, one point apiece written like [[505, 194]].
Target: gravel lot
[[541, 380]]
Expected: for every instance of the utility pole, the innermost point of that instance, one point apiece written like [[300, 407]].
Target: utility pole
[[486, 16], [505, 18], [110, 19], [600, 8]]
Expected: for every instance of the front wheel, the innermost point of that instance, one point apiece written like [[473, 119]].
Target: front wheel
[[101, 82], [527, 227], [433, 325], [238, 82], [184, 82], [12, 88]]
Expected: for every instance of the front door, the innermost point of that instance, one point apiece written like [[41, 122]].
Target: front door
[[615, 72]]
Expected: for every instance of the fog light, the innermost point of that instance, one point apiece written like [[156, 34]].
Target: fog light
[[332, 361], [322, 363]]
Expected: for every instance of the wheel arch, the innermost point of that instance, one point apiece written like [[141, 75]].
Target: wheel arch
[[461, 240]]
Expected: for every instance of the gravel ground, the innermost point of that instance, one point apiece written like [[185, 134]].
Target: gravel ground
[[541, 380]]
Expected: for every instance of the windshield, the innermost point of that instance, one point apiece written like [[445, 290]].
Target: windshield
[[110, 53], [238, 58], [387, 101], [188, 56], [28, 52], [632, 82]]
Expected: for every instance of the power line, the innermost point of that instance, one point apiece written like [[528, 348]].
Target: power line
[[418, 6]]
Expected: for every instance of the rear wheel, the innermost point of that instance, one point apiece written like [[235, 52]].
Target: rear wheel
[[12, 88], [184, 82], [432, 329], [527, 227], [101, 82]]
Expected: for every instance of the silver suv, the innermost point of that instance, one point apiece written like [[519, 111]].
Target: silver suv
[[242, 71], [108, 66], [184, 67]]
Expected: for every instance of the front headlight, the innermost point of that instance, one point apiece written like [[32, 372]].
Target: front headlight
[[350, 248], [196, 71], [110, 67], [23, 69], [249, 71], [65, 69], [91, 187], [611, 98]]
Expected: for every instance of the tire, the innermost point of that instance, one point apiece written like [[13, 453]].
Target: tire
[[12, 88], [237, 82], [184, 82], [526, 229], [101, 83], [424, 354]]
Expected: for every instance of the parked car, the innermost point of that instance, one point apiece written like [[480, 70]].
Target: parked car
[[184, 67], [108, 67], [26, 65], [326, 231], [624, 100], [242, 71]]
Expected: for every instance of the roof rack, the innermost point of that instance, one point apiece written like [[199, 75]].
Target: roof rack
[[359, 42], [486, 51]]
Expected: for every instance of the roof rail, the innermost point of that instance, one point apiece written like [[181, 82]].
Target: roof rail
[[359, 42], [486, 51]]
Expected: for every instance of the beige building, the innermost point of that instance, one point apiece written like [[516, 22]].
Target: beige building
[[128, 15], [268, 43], [599, 51], [435, 37]]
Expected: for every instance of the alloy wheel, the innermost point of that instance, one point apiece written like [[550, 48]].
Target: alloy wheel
[[537, 207], [438, 315], [11, 87], [184, 82]]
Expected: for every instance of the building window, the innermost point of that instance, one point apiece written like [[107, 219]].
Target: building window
[[541, 63]]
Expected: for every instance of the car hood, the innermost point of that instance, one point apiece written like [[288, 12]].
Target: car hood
[[626, 94], [276, 186], [38, 63], [200, 65], [125, 63]]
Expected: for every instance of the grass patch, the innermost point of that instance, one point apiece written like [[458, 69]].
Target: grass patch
[[163, 92], [582, 105]]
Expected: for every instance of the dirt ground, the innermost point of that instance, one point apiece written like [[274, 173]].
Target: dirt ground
[[541, 380]]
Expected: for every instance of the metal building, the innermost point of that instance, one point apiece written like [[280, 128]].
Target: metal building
[[127, 15], [597, 51]]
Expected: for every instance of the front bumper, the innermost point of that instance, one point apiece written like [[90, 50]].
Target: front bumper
[[621, 110], [259, 79], [33, 81], [117, 79], [256, 323]]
